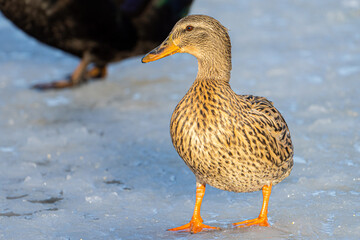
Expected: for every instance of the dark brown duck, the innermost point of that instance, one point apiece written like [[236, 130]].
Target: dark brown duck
[[238, 143], [97, 31]]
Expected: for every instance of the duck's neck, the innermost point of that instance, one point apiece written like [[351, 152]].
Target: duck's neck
[[214, 67]]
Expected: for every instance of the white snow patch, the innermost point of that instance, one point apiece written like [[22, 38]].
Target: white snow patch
[[357, 147], [7, 149], [317, 193], [136, 96], [332, 193], [351, 3], [299, 160], [93, 199], [348, 70], [27, 179], [57, 101], [315, 79], [349, 162], [317, 109]]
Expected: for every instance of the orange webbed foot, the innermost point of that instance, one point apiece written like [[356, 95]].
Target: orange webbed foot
[[196, 223], [54, 85], [97, 72], [262, 219], [79, 76], [263, 222], [194, 227]]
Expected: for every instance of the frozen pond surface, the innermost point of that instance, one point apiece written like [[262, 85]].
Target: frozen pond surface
[[96, 162]]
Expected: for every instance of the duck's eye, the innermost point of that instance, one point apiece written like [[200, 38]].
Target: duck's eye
[[189, 28]]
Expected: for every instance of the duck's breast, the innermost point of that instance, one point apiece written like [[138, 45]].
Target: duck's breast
[[224, 148]]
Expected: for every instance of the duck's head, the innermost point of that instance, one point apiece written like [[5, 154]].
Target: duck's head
[[201, 36]]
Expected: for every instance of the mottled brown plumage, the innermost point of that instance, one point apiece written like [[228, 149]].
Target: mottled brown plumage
[[238, 143]]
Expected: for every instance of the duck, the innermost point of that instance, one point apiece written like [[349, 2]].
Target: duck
[[237, 143], [97, 31]]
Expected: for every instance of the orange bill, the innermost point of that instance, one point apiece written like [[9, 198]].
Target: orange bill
[[166, 48]]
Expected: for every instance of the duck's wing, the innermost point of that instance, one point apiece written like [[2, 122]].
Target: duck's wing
[[269, 128]]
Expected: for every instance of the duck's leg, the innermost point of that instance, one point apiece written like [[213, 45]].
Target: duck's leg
[[78, 76], [98, 71], [261, 220], [195, 225]]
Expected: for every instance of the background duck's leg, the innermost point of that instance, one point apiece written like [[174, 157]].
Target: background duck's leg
[[98, 71], [262, 219], [78, 76], [195, 225]]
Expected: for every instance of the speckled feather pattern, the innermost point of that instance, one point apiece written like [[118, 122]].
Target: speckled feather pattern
[[232, 142]]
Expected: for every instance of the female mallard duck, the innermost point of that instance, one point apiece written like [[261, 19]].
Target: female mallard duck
[[238, 143], [98, 31]]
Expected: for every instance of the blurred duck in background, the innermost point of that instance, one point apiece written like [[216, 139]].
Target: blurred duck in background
[[97, 31]]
